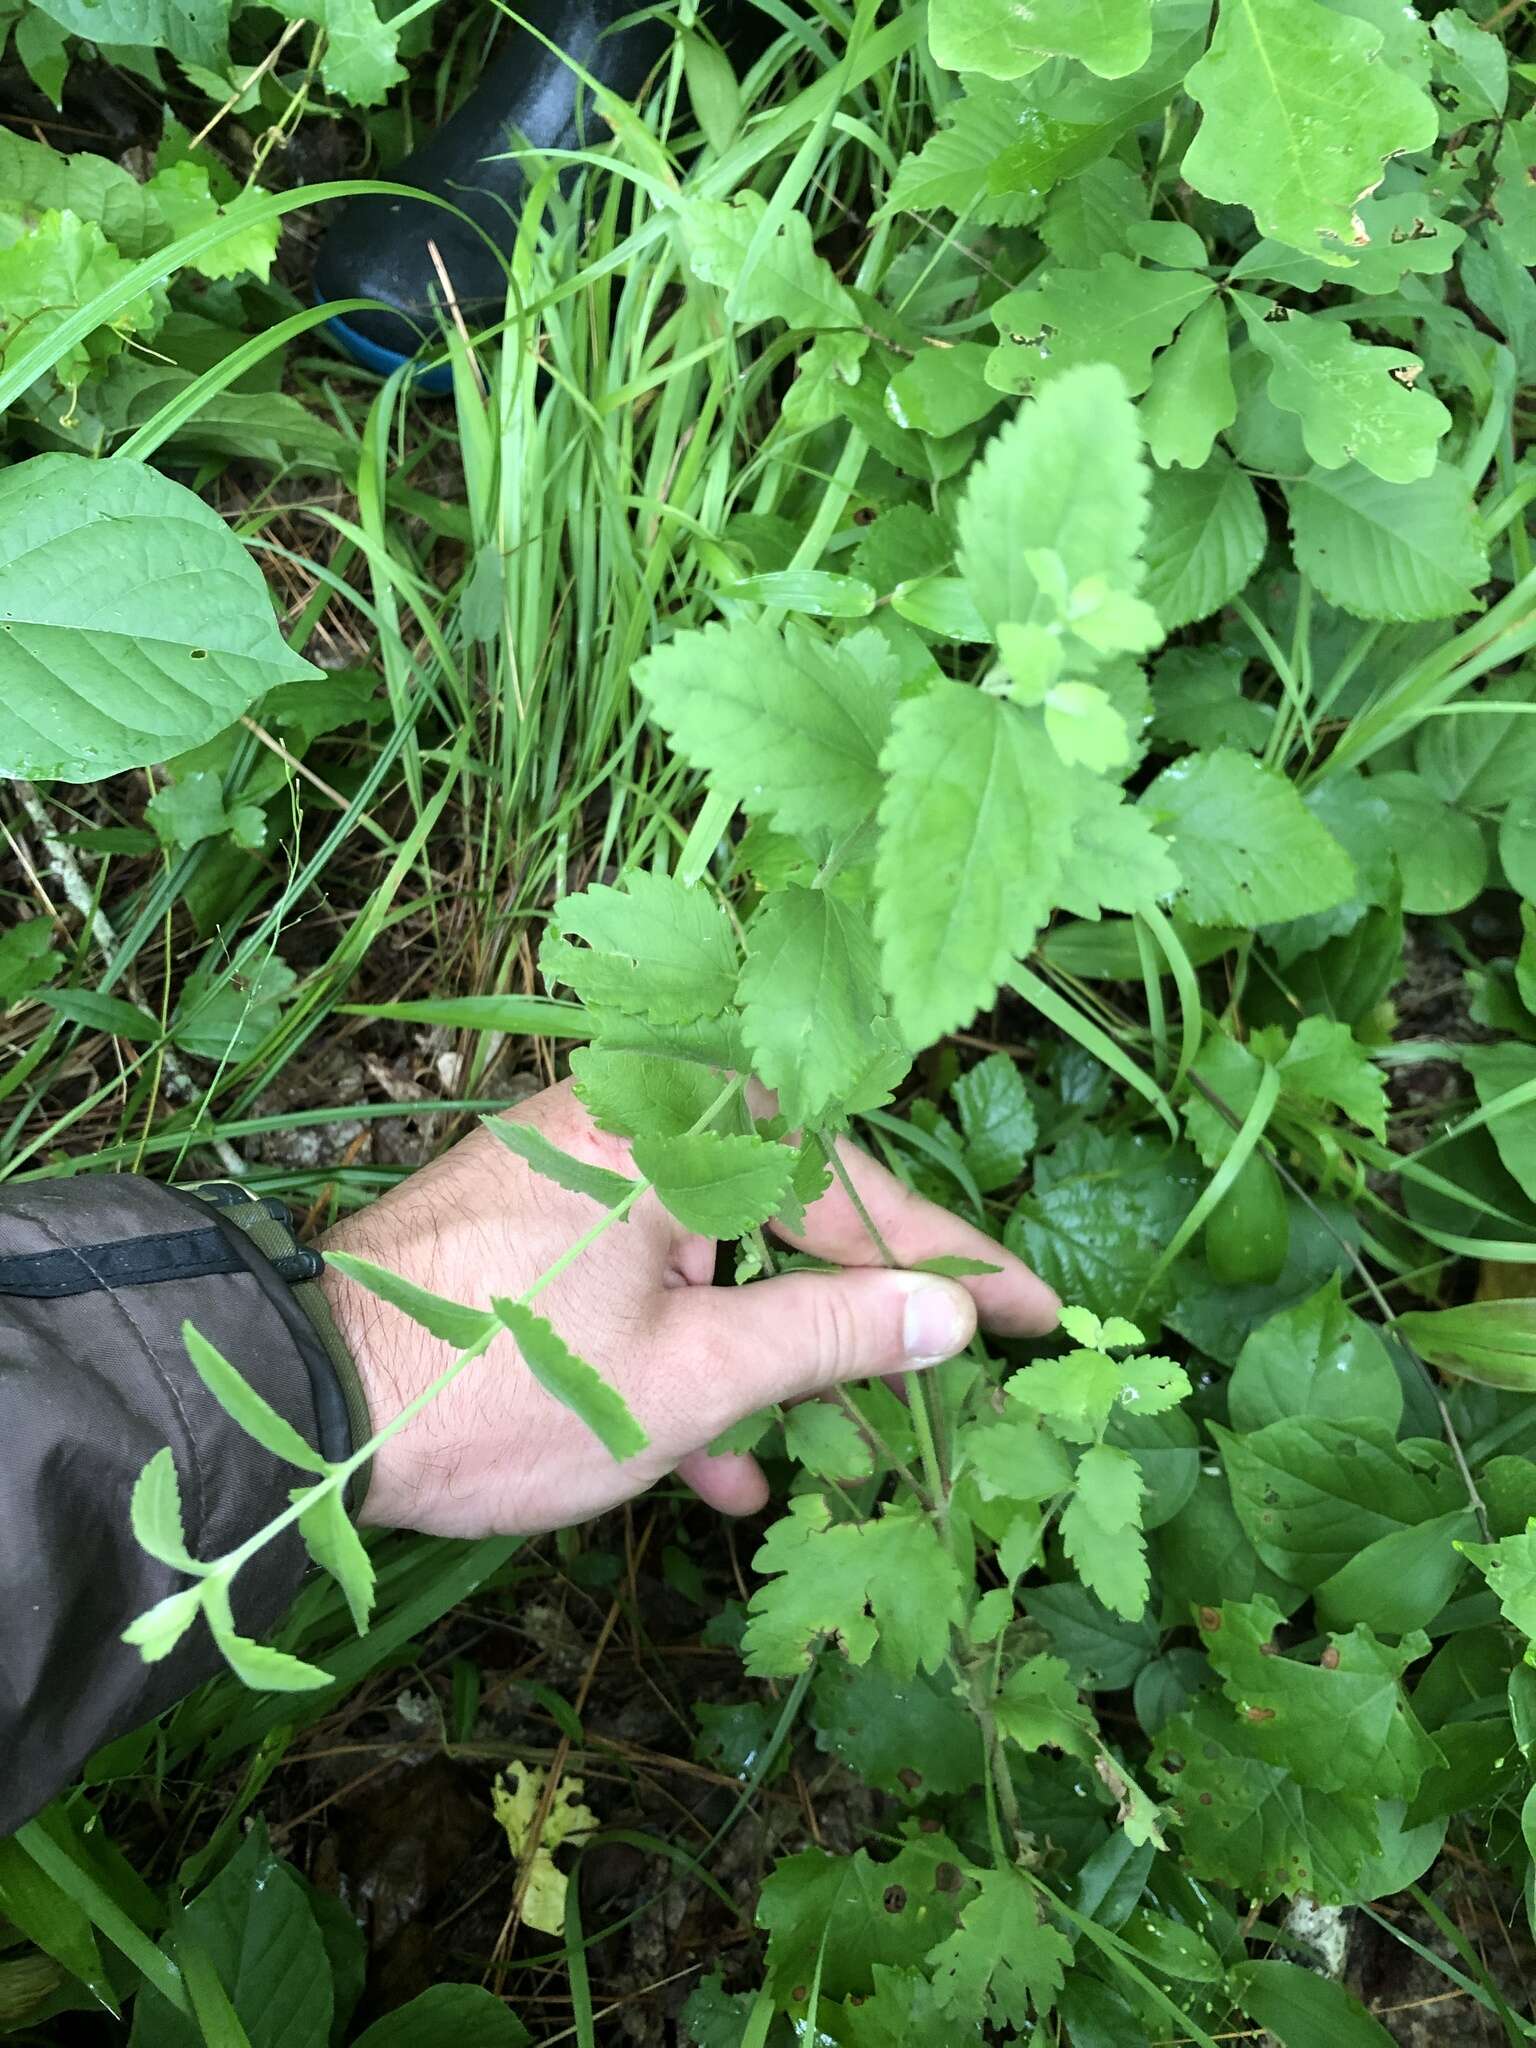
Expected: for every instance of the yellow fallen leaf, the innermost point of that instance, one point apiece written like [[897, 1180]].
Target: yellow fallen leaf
[[516, 1806]]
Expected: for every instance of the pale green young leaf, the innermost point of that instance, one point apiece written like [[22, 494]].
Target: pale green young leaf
[[889, 1582], [359, 59], [1014, 1458], [1206, 538], [952, 167], [1247, 847], [1117, 861], [1398, 552], [783, 278], [154, 1511], [1085, 728], [1066, 475], [717, 1185], [1326, 1063], [265, 1669], [974, 832], [1318, 1358], [1150, 1385], [1357, 401], [942, 390], [1119, 314], [790, 721], [1039, 1707], [1300, 119], [1002, 40], [576, 1176], [572, 1382], [1076, 1394], [242, 1404], [653, 949], [1004, 1959], [157, 1631], [183, 193], [810, 992], [1509, 1566], [451, 1321], [1101, 1530], [336, 1547], [122, 657], [1190, 399], [827, 1441], [998, 1121]]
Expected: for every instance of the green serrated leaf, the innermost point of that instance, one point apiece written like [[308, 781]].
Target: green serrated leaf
[[1205, 539], [654, 949], [576, 1176], [809, 995], [1101, 1530], [336, 1547], [1388, 551], [1249, 850], [242, 1404], [573, 1383], [777, 277], [717, 1185], [451, 1321], [1005, 1958], [154, 1510], [997, 1119], [157, 1631]]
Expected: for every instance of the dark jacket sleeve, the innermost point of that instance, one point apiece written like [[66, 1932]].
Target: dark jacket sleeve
[[97, 1276]]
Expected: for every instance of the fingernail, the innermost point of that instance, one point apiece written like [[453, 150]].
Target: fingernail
[[936, 1322]]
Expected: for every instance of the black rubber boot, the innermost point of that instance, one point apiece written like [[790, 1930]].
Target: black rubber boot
[[377, 247]]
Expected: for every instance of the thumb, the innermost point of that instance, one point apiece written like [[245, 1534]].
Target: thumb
[[738, 1349]]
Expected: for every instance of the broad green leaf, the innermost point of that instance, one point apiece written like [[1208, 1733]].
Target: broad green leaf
[[951, 169], [451, 1321], [576, 1176], [1103, 1651], [1248, 849], [154, 1511], [49, 274], [35, 180], [974, 830], [827, 1441], [112, 657], [1015, 1458], [1094, 214], [242, 1404], [1492, 1343], [572, 1382], [1117, 862], [1326, 1063], [886, 1587], [1505, 1079], [790, 720], [1300, 119], [1002, 40], [1119, 314], [1198, 701], [1084, 726], [255, 1927], [190, 810], [193, 31], [225, 1021], [1205, 537], [1190, 399], [1038, 1707], [1406, 234], [1338, 1724], [810, 993], [1312, 1492], [336, 1547], [644, 1094], [1441, 854], [716, 1185], [1515, 192], [448, 2016], [1004, 1958], [997, 1119], [1402, 1581], [1472, 65], [1065, 475], [1102, 1206], [185, 197], [1509, 1566], [848, 1916], [27, 959], [1397, 552], [358, 60], [653, 949], [1101, 1530], [942, 390], [1297, 2006], [1357, 401], [1482, 758], [1250, 1824], [886, 1733], [1318, 1358], [781, 277]]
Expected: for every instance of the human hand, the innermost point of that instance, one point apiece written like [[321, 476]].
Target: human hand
[[496, 1454]]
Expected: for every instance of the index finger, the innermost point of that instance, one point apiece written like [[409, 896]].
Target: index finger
[[1013, 1301]]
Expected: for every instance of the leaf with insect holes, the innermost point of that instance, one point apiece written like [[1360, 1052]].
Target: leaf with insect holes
[[155, 1513], [1357, 402], [157, 1631], [886, 1587], [1299, 119], [448, 1320], [576, 1176], [242, 1404], [572, 1382], [653, 949], [336, 1547], [1101, 1530], [716, 1185], [1120, 314], [1249, 850], [809, 993], [782, 277], [1005, 1959], [115, 656], [974, 830], [789, 720]]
